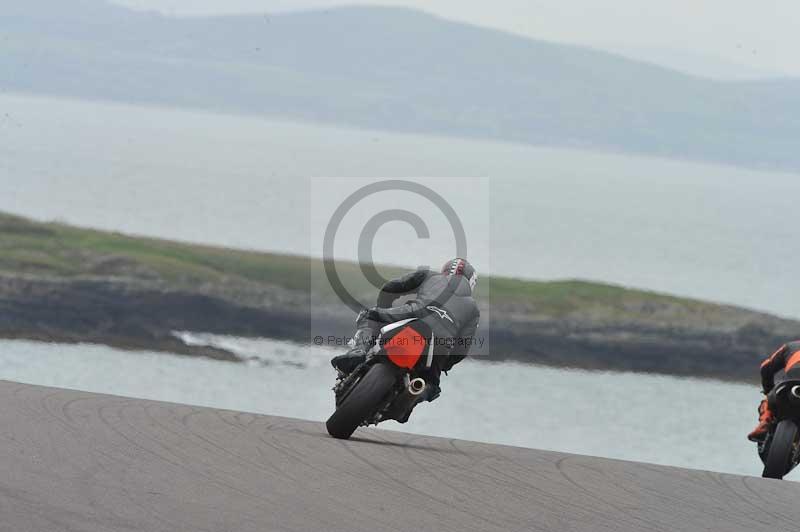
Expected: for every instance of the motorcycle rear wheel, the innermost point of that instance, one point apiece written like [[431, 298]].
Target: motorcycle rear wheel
[[778, 462], [363, 401]]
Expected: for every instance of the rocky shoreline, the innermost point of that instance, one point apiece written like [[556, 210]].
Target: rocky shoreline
[[60, 283], [142, 315]]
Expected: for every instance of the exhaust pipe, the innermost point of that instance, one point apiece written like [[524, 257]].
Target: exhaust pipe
[[405, 402], [796, 391], [417, 386]]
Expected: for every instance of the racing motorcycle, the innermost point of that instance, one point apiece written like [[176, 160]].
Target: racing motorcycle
[[389, 383], [780, 449]]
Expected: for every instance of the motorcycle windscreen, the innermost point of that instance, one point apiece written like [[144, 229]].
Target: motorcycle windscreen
[[405, 347]]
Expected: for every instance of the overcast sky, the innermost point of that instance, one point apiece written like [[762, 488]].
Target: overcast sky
[[761, 37]]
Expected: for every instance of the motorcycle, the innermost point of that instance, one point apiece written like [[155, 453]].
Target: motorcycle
[[780, 449], [389, 383]]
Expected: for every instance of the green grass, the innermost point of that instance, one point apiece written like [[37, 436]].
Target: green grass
[[62, 251], [566, 294]]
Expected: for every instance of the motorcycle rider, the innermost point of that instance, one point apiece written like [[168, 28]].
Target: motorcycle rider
[[442, 300], [787, 358]]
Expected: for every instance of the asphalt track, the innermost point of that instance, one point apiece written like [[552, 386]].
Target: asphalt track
[[84, 462]]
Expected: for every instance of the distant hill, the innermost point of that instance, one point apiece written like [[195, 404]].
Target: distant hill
[[400, 70]]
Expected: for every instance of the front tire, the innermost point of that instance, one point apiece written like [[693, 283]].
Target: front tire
[[781, 449], [363, 401]]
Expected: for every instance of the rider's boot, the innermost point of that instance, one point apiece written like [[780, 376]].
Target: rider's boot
[[363, 341], [432, 389], [765, 419]]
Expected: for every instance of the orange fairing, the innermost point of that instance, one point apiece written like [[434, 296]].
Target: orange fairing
[[794, 359], [405, 347]]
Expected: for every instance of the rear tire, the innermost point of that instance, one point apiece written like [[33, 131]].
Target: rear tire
[[779, 458], [363, 401]]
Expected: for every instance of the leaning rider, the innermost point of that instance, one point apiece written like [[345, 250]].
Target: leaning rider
[[787, 359], [442, 300]]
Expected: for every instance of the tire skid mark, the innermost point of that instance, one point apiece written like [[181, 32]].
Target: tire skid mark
[[717, 479], [215, 447], [574, 505], [667, 501], [623, 511], [105, 454], [168, 456], [444, 479], [298, 457], [292, 453], [101, 463], [418, 491], [136, 445], [756, 510], [208, 475], [791, 521], [529, 486]]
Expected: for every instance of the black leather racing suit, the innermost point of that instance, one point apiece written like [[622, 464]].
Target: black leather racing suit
[[443, 302], [786, 359]]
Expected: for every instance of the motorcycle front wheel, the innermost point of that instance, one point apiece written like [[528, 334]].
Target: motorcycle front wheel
[[781, 450], [363, 401]]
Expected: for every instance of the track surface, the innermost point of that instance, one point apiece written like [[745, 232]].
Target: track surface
[[84, 462]]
